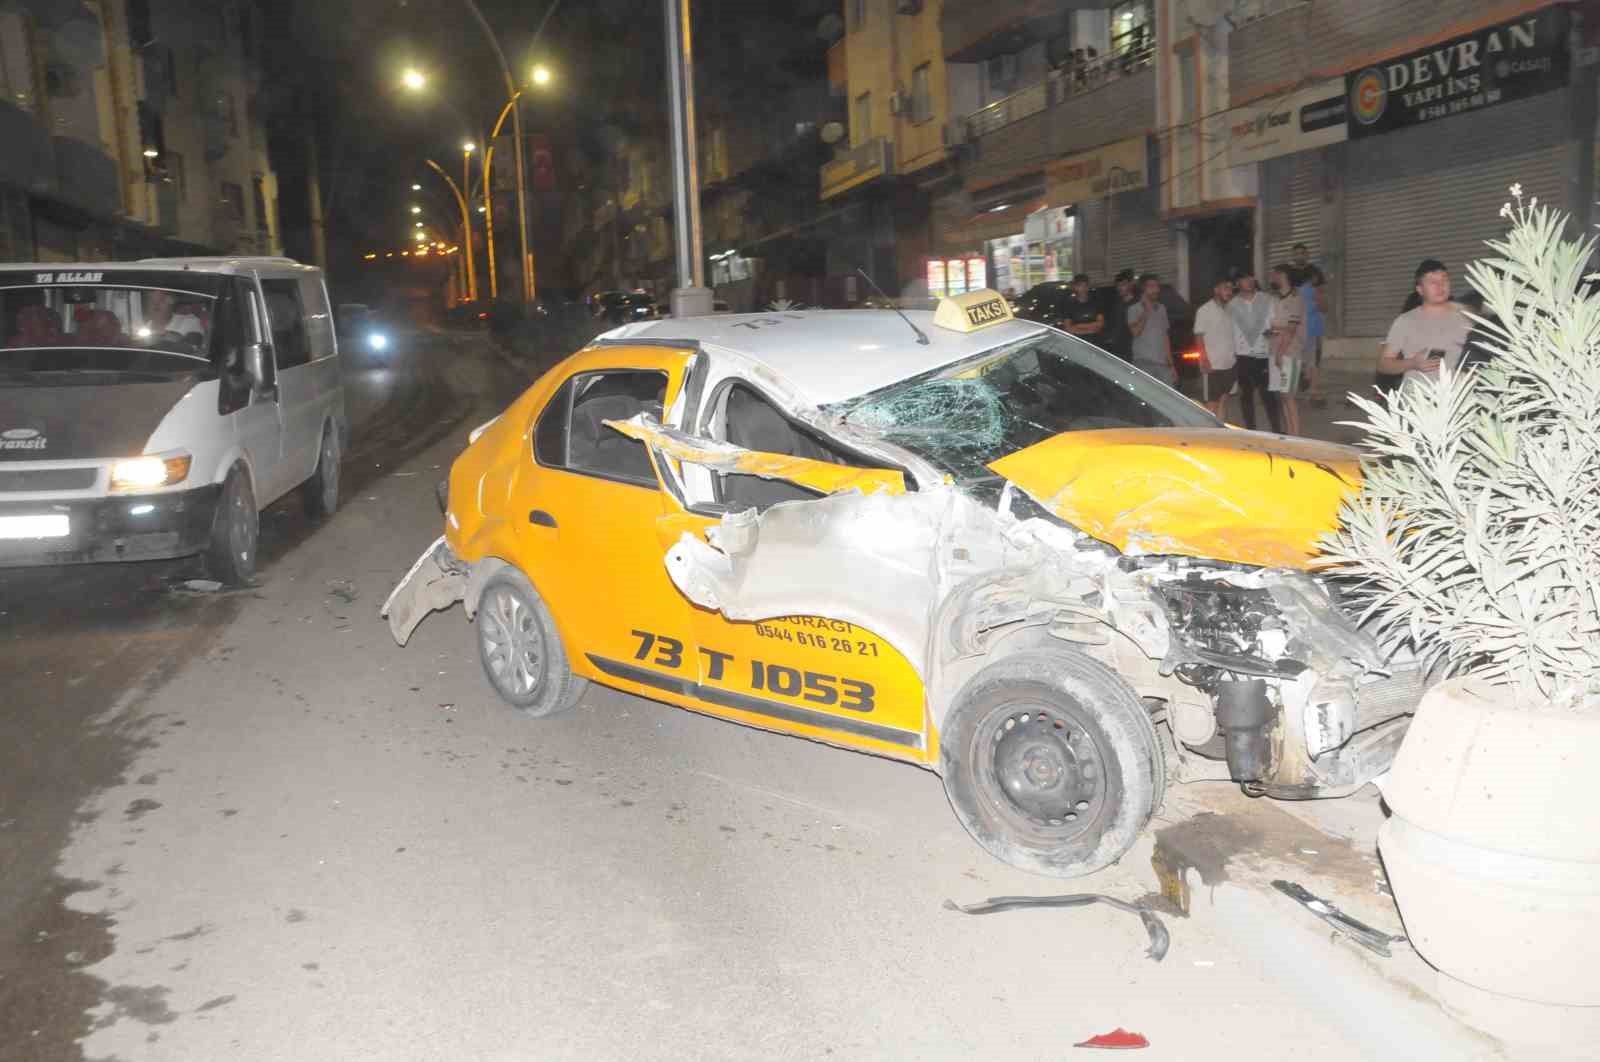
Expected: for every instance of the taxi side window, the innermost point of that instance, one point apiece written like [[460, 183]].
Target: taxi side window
[[572, 433], [752, 422]]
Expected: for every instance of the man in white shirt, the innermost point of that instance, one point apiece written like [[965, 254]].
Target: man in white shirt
[[1434, 333], [1252, 313], [1213, 327], [164, 326]]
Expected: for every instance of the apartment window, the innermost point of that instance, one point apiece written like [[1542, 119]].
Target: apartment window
[[862, 120], [233, 201], [172, 73], [1130, 27], [259, 187], [229, 112], [177, 174], [922, 93], [139, 33], [858, 14]]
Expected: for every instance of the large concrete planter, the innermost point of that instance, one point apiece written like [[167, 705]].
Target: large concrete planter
[[1493, 848]]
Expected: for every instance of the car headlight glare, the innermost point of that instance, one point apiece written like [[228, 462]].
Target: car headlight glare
[[378, 341], [146, 473]]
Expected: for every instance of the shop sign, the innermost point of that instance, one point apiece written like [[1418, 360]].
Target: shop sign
[[1313, 117], [1120, 167], [1497, 64]]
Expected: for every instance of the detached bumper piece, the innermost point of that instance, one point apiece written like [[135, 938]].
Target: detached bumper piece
[[123, 527], [437, 580]]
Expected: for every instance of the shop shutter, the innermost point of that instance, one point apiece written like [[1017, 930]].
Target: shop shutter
[[1291, 204], [1139, 239], [1435, 191]]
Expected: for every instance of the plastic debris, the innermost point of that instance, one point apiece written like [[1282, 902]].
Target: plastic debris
[[1118, 1039], [202, 586], [1374, 940], [1160, 939]]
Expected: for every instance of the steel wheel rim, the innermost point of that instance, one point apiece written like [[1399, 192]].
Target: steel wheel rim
[[330, 473], [242, 529], [1047, 773], [513, 643]]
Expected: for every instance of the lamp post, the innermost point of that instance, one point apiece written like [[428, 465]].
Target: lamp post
[[516, 131], [466, 223], [691, 297]]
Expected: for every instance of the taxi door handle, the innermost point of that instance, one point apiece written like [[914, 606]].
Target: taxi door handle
[[540, 518]]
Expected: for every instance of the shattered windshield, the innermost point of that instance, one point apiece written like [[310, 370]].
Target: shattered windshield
[[67, 327], [967, 415]]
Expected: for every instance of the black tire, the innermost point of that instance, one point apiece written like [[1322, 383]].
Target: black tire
[[320, 493], [520, 650], [1051, 762], [235, 532]]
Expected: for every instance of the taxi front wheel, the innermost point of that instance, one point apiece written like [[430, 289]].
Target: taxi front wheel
[[1051, 762], [521, 651]]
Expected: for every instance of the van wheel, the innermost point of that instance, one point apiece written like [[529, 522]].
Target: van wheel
[[1051, 763], [521, 651], [235, 532], [320, 493]]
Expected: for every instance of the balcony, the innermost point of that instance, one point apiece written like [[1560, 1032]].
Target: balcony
[[87, 176], [1105, 101], [860, 164], [27, 160], [977, 31]]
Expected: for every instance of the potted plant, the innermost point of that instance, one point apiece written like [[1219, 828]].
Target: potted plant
[[1476, 540]]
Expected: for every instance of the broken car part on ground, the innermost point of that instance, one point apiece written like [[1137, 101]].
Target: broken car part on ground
[[1003, 555]]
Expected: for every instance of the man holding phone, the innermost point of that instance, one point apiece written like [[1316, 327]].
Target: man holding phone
[[1431, 335]]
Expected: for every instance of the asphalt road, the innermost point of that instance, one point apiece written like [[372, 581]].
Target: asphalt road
[[248, 826]]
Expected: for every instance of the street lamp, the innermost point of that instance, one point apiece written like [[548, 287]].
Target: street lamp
[[468, 147], [416, 187], [413, 79], [416, 210], [541, 75]]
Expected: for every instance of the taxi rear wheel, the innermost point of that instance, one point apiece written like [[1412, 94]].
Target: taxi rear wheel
[[521, 651], [1051, 763]]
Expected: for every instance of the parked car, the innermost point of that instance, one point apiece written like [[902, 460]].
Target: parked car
[[152, 409], [363, 332], [964, 541], [620, 307]]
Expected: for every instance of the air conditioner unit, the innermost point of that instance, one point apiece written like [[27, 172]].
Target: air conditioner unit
[[899, 103]]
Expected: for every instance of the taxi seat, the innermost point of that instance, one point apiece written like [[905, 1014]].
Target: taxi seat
[[754, 424], [597, 448]]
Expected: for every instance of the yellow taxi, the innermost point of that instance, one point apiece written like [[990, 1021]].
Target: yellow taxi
[[950, 537]]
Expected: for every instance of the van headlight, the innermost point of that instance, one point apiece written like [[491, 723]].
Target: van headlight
[[147, 473], [378, 341]]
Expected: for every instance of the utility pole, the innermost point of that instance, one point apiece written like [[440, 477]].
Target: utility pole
[[319, 235], [691, 298]]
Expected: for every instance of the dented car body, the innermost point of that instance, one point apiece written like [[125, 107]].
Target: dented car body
[[998, 553]]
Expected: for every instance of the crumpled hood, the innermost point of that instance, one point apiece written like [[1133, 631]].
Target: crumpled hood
[[1238, 496], [68, 422]]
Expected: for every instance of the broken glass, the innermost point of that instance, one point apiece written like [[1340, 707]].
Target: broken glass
[[967, 415]]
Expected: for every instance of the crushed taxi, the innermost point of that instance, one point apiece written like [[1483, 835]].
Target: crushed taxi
[[953, 538]]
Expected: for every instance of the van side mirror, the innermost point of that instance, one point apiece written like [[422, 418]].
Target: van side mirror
[[255, 367]]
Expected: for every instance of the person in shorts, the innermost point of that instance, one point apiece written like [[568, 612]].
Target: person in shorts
[[1314, 294], [1213, 327], [1286, 344]]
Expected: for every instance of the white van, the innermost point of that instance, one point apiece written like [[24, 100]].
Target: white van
[[152, 409]]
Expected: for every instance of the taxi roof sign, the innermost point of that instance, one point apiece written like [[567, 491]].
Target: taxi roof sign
[[972, 311]]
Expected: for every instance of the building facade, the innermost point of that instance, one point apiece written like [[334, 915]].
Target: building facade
[[133, 128]]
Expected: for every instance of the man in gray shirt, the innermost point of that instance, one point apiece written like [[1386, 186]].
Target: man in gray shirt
[[1252, 313], [1152, 332]]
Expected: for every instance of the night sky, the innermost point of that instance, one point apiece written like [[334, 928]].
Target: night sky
[[335, 69]]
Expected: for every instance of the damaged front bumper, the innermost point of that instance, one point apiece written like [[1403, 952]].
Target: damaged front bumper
[[1304, 701]]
